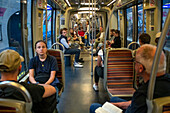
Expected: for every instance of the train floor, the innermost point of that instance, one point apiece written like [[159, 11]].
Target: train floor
[[78, 94]]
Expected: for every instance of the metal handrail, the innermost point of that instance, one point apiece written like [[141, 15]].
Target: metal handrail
[[22, 90], [57, 43], [132, 43], [155, 64]]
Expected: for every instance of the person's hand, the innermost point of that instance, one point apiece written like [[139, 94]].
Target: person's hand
[[69, 38], [123, 105]]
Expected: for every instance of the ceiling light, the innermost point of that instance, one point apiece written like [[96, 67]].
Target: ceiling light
[[88, 3], [85, 12], [87, 8], [68, 3], [111, 2]]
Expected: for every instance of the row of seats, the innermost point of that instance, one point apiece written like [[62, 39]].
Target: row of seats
[[120, 79]]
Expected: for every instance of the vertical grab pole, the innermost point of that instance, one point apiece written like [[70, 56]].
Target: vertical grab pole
[[107, 28], [156, 60], [92, 44]]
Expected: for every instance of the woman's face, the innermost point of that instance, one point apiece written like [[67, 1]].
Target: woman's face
[[41, 48]]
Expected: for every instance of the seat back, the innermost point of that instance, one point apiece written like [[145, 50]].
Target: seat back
[[58, 54], [119, 72], [12, 105], [161, 105]]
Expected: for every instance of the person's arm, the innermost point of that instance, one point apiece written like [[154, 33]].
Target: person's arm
[[49, 90], [31, 76], [63, 41], [52, 77], [123, 105]]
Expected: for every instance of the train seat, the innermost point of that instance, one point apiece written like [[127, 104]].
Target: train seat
[[68, 58], [58, 54], [119, 72], [161, 105], [12, 105]]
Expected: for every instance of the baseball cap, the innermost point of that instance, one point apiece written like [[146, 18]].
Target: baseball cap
[[10, 60]]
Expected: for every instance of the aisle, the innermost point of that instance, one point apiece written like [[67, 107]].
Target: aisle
[[79, 94]]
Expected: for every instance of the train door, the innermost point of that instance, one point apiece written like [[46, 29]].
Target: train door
[[14, 32]]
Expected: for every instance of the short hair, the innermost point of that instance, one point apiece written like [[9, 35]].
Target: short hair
[[61, 30], [40, 41], [112, 30], [117, 32], [145, 38], [145, 55]]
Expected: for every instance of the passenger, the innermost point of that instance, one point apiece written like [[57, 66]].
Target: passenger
[[144, 59], [71, 40], [116, 43], [63, 40], [43, 95], [43, 67], [99, 69], [87, 34], [81, 34], [99, 38], [144, 38], [112, 36]]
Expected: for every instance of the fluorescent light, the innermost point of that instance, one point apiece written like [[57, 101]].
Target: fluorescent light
[[68, 3], [88, 3], [111, 2], [87, 8], [85, 12]]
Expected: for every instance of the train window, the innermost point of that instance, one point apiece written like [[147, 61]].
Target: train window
[[49, 13], [119, 14], [10, 28], [129, 25], [140, 19], [54, 33], [30, 50]]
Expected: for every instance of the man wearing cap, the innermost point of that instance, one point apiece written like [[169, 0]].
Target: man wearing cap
[[99, 68], [43, 96]]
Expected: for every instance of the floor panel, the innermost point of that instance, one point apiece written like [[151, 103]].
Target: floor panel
[[78, 94]]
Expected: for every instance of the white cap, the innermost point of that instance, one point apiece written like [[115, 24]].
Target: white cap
[[75, 25], [158, 35]]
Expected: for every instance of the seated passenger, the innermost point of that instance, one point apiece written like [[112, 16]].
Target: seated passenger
[[116, 43], [144, 60], [144, 38], [99, 37], [43, 67], [43, 95], [99, 69], [63, 40], [112, 36]]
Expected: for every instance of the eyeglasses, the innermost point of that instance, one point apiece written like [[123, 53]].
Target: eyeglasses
[[64, 32]]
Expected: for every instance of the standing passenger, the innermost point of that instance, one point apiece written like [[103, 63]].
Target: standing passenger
[[43, 95]]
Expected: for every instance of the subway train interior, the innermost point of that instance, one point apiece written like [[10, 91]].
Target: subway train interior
[[89, 25]]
